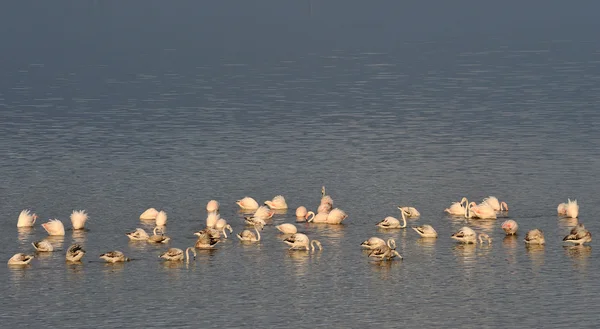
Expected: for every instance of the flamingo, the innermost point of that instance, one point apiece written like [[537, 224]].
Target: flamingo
[[465, 235], [138, 235], [484, 237], [155, 238], [578, 235], [114, 257], [212, 206], [426, 231], [510, 227], [535, 236], [78, 219], [161, 218], [278, 203], [386, 251], [495, 204], [26, 218], [301, 241], [149, 214], [74, 253], [247, 203], [20, 259], [457, 208], [176, 254], [287, 228], [391, 222], [248, 235], [43, 246], [54, 227], [336, 216]]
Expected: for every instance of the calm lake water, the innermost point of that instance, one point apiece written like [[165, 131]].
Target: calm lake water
[[116, 107]]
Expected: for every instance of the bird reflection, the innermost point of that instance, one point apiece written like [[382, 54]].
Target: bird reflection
[[279, 211], [465, 251], [113, 268], [75, 269], [141, 245], [56, 240], [483, 224], [79, 236], [18, 273], [536, 253], [567, 222], [579, 254], [24, 233], [383, 268]]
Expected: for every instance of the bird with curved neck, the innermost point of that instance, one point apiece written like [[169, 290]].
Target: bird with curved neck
[[493, 202], [158, 238], [578, 235], [386, 251], [510, 227], [392, 222], [74, 253], [176, 254], [484, 238], [43, 246], [20, 259], [457, 208], [301, 241], [222, 226], [248, 235]]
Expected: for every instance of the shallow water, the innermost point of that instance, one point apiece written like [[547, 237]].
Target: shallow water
[[122, 107]]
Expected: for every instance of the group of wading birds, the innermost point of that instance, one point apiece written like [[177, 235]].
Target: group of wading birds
[[217, 227]]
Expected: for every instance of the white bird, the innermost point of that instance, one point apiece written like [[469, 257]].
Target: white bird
[[386, 252], [212, 219], [535, 236], [247, 203], [484, 237], [26, 218], [138, 235], [161, 218], [248, 235], [392, 222], [411, 212], [278, 203], [510, 227], [54, 227], [287, 228], [301, 212], [320, 217], [260, 216], [301, 241], [222, 226], [336, 216], [75, 253], [212, 206], [426, 231], [78, 219], [206, 239], [495, 204], [43, 246], [176, 254], [372, 243], [114, 257], [578, 235], [457, 208], [465, 235], [481, 211], [149, 214], [20, 259], [156, 238]]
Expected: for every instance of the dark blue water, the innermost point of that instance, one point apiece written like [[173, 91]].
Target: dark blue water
[[116, 107]]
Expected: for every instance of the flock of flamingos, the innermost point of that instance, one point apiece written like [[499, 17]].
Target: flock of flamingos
[[217, 227]]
